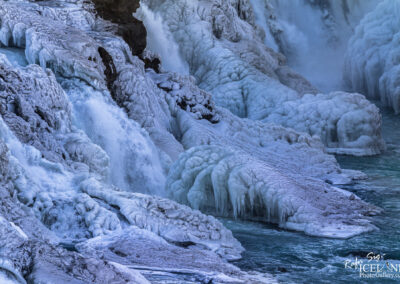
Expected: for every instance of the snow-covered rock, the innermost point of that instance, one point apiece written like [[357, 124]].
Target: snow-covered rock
[[130, 248], [30, 251], [37, 110], [372, 59]]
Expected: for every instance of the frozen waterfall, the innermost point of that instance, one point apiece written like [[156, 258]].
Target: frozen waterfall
[[372, 59]]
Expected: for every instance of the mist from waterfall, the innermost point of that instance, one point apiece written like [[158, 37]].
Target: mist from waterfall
[[312, 35], [261, 18]]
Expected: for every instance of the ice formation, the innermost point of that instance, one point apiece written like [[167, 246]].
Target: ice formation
[[229, 60], [57, 172], [94, 137], [372, 64], [220, 174]]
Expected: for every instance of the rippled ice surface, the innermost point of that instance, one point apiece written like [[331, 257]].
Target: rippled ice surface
[[295, 258]]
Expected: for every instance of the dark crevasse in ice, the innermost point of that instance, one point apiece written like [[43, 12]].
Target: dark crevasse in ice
[[294, 257]]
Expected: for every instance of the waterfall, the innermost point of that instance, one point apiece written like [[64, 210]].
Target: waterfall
[[312, 35], [161, 42], [53, 189], [134, 160], [262, 21]]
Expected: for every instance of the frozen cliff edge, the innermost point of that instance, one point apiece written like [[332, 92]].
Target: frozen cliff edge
[[267, 173]]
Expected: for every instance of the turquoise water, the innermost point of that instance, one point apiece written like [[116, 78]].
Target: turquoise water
[[295, 258]]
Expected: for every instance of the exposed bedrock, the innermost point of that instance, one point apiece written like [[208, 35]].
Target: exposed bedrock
[[129, 28], [120, 12]]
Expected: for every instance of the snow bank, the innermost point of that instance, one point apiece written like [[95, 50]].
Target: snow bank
[[372, 60]]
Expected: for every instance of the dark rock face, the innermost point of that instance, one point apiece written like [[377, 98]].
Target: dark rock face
[[110, 72], [120, 12], [130, 29], [152, 63]]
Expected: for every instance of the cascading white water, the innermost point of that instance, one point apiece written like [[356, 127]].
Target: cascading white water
[[262, 21], [54, 191], [161, 42], [134, 160]]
